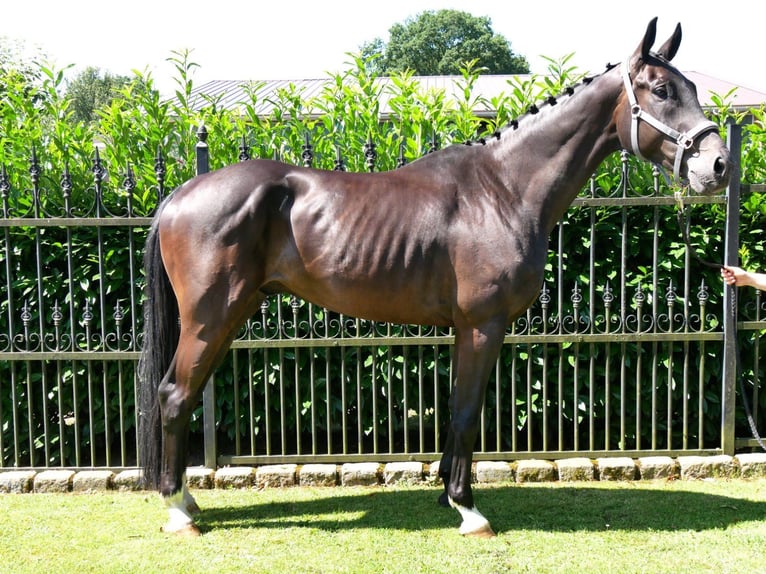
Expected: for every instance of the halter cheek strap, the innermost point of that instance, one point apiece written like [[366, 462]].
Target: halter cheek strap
[[684, 141]]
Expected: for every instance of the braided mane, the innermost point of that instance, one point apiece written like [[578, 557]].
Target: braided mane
[[534, 109]]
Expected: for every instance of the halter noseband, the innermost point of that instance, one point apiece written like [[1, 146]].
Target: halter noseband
[[684, 141]]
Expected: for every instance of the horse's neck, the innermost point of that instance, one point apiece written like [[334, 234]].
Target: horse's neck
[[553, 153]]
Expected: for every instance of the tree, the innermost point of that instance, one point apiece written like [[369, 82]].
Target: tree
[[90, 90], [20, 68], [440, 43]]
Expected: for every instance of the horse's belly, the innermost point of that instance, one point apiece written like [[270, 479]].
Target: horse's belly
[[376, 298]]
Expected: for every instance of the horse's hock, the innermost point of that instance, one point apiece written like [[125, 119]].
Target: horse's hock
[[371, 474]]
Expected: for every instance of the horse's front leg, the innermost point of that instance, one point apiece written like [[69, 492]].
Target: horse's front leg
[[477, 349]]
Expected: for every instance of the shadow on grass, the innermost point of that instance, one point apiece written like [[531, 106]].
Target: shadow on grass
[[511, 508]]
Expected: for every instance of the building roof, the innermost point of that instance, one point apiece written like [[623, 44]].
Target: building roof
[[231, 94]]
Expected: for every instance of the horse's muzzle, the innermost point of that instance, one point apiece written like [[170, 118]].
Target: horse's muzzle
[[709, 170]]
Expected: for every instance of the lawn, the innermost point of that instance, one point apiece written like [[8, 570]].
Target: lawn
[[676, 526]]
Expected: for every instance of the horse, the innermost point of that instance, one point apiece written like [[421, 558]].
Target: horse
[[457, 238]]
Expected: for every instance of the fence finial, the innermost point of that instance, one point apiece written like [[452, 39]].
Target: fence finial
[[202, 151]]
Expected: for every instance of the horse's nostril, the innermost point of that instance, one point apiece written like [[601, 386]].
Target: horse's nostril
[[719, 166]]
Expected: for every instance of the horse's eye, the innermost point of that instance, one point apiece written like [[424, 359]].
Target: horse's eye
[[662, 91]]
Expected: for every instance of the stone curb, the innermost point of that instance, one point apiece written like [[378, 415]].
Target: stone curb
[[748, 465], [92, 480]]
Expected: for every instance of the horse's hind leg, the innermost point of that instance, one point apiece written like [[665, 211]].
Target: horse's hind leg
[[206, 333], [179, 394], [445, 465]]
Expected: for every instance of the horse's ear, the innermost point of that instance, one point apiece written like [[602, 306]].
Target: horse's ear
[[670, 47], [643, 49], [649, 36]]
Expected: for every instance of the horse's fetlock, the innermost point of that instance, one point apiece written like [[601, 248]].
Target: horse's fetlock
[[167, 492], [461, 495], [170, 488]]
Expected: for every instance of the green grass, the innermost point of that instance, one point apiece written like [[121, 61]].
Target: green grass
[[680, 526]]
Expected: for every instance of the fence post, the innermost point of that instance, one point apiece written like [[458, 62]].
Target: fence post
[[202, 151], [731, 257], [208, 395]]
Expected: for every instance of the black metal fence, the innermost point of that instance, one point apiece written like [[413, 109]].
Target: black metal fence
[[630, 358]]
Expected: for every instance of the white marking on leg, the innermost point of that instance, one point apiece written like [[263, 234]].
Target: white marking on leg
[[191, 505], [473, 520], [178, 513]]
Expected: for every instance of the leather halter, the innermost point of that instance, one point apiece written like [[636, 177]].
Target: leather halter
[[684, 141]]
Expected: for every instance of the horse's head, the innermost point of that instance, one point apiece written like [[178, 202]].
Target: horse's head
[[660, 119]]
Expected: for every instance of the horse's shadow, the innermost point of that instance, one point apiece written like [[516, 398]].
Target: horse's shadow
[[510, 508]]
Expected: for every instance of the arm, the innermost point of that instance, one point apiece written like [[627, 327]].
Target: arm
[[739, 277]]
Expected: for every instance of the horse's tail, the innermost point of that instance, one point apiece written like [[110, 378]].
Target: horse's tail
[[161, 332]]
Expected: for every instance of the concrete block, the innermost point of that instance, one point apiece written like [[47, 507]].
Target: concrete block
[[752, 464], [535, 471], [575, 469], [318, 475], [276, 475], [432, 473], [17, 481], [403, 473], [54, 481], [129, 480], [657, 467], [235, 477], [200, 477], [360, 474], [93, 481], [488, 471], [620, 468], [719, 466]]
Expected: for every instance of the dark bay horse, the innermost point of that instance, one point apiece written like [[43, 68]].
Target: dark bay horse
[[457, 238]]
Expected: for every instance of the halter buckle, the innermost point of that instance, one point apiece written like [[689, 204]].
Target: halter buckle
[[684, 141]]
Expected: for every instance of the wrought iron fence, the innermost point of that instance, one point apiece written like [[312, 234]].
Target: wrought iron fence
[[626, 351]]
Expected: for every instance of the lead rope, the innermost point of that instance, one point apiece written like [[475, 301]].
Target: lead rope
[[742, 391], [683, 222]]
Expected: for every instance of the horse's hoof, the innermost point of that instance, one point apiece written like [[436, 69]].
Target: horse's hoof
[[444, 500], [484, 531], [188, 531], [191, 531]]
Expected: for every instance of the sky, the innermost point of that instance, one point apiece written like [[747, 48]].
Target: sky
[[302, 39]]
